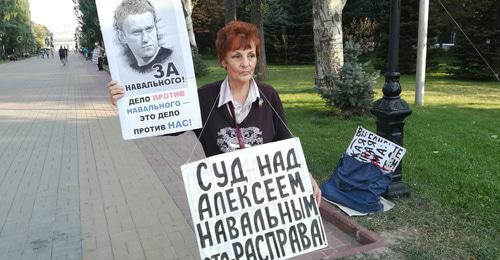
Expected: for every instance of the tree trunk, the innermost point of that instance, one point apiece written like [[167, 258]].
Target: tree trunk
[[256, 18], [327, 27], [187, 7], [230, 10]]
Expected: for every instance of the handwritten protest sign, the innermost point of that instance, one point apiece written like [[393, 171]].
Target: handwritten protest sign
[[369, 147], [149, 55], [255, 203]]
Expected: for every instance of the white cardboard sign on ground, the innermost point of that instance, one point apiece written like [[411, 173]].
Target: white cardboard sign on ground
[[370, 147], [149, 55], [387, 205], [255, 203]]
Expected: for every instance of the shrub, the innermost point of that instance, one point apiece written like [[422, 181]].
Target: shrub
[[352, 90], [362, 31], [200, 68]]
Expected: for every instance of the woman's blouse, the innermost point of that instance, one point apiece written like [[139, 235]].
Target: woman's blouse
[[261, 125]]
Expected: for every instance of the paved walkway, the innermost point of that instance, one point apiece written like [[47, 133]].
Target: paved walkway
[[71, 188]]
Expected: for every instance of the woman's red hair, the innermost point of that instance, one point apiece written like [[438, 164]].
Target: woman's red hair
[[236, 35]]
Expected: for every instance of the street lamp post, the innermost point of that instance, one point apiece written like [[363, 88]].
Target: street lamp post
[[391, 110]]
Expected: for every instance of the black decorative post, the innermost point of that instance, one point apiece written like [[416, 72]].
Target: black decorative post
[[391, 110]]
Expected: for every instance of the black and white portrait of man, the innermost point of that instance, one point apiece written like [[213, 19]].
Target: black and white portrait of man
[[135, 23]]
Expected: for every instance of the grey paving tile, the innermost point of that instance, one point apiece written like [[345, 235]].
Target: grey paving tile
[[35, 157]]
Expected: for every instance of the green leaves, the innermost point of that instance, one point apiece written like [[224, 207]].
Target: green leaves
[[15, 28], [352, 91], [89, 31]]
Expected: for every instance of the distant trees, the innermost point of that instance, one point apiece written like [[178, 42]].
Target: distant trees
[[288, 29], [42, 35], [208, 17], [275, 23], [409, 38], [287, 25], [367, 22], [480, 21], [16, 35], [89, 31]]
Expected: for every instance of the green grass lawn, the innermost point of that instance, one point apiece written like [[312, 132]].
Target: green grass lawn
[[452, 165]]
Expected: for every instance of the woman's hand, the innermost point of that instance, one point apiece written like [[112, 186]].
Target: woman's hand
[[316, 190], [115, 92]]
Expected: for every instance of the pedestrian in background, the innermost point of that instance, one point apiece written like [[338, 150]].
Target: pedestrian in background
[[65, 55], [61, 56], [98, 56]]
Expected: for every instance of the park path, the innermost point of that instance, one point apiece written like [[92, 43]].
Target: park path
[[71, 188]]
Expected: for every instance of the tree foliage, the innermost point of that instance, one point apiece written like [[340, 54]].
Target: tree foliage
[[89, 31], [289, 35], [16, 35], [289, 31], [365, 21], [208, 17], [42, 34], [480, 21], [207, 14], [362, 31], [275, 24], [408, 38], [352, 91], [378, 12]]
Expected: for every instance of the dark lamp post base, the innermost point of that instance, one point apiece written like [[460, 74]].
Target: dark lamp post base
[[397, 190], [390, 114]]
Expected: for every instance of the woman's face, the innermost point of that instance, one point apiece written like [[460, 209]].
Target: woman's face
[[240, 64]]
